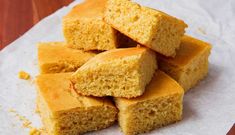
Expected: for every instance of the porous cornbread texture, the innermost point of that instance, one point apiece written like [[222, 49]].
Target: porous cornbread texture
[[84, 27], [118, 73], [56, 57], [63, 113], [149, 27], [161, 104], [190, 63]]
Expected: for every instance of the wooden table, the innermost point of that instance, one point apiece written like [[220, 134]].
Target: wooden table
[[18, 16]]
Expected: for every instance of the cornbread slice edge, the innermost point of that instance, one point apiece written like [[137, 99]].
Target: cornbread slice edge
[[63, 113]]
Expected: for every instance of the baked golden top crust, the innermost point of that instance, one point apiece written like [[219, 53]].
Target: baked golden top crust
[[120, 53], [116, 54], [50, 52], [57, 92], [88, 9], [161, 85], [189, 49]]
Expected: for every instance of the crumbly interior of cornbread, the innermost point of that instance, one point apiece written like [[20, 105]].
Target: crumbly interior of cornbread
[[63, 113], [146, 116], [118, 73], [84, 120], [89, 34], [147, 26], [160, 105], [85, 29], [76, 121], [190, 64], [56, 57], [168, 36]]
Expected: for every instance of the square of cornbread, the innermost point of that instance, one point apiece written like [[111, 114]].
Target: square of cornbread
[[117, 72], [161, 104], [154, 29], [63, 113], [56, 57], [84, 27], [190, 63]]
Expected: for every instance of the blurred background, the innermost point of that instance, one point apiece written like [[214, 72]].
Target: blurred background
[[18, 16]]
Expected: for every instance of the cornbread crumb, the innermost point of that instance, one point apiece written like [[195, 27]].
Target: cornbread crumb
[[160, 105], [202, 31], [26, 123], [190, 64], [154, 29], [65, 114], [12, 110], [117, 72], [23, 75], [34, 131]]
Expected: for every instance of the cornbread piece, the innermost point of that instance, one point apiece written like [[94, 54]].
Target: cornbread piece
[[190, 63], [63, 113], [118, 73], [161, 104], [149, 27], [84, 27], [23, 75], [55, 57]]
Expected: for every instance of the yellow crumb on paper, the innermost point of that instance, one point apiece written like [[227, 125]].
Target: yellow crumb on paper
[[12, 110], [34, 131], [26, 123], [23, 75], [202, 31]]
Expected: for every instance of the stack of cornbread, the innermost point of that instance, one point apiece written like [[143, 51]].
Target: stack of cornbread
[[120, 61]]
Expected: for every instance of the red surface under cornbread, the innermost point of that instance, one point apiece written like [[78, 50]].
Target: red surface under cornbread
[[232, 130], [18, 16]]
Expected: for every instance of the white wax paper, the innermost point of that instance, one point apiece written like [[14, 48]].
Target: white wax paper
[[209, 108]]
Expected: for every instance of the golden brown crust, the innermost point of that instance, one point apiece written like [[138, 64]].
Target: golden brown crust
[[55, 89], [55, 57], [161, 85], [87, 9], [189, 49]]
